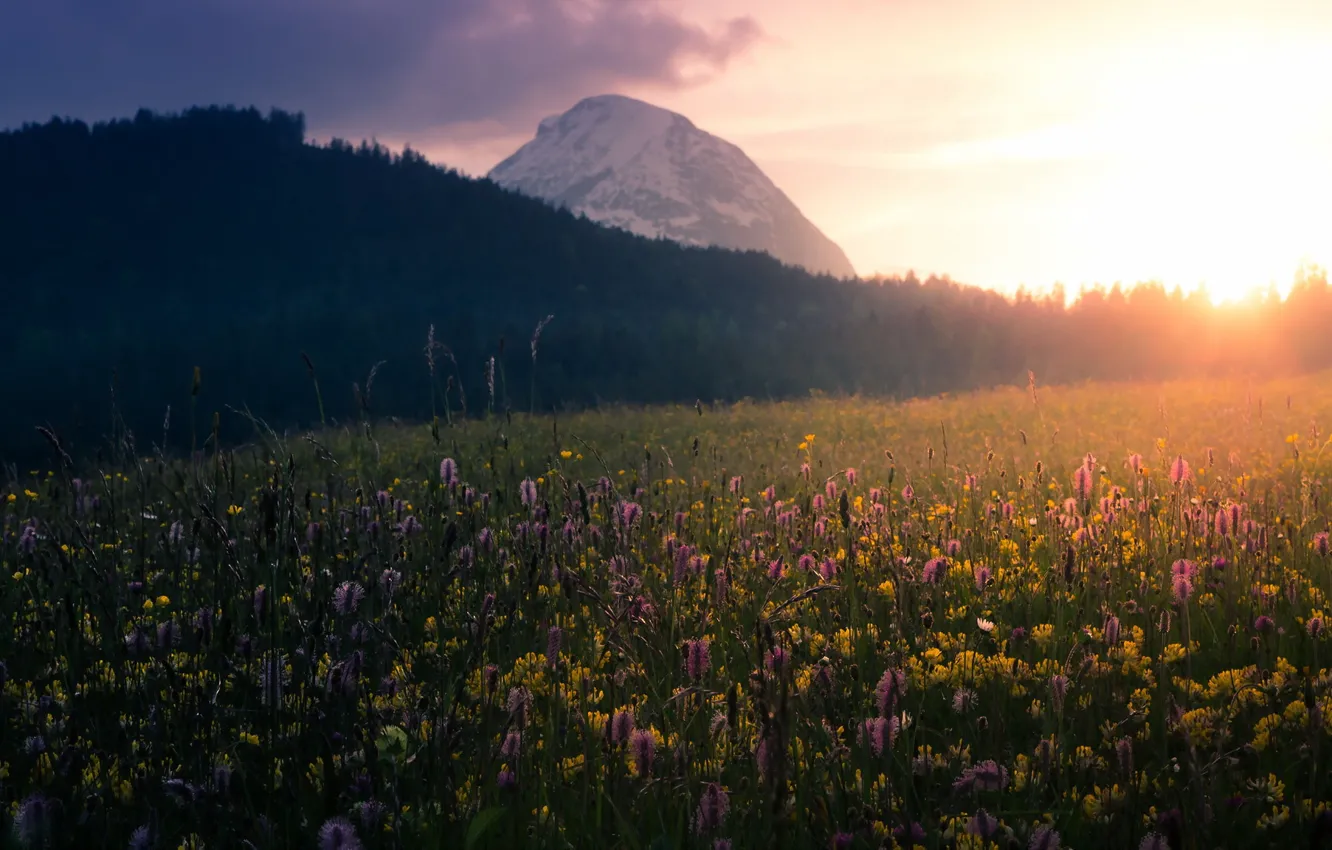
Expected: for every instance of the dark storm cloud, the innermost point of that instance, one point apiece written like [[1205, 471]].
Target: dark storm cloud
[[400, 65]]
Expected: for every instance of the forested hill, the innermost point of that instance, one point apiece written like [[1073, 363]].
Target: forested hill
[[133, 251]]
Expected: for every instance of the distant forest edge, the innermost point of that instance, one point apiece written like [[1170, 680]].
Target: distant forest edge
[[220, 239]]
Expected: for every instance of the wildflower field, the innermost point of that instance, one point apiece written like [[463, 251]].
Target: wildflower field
[[1053, 617]]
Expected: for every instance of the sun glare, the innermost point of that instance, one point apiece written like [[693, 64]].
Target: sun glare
[[1215, 174], [1194, 161]]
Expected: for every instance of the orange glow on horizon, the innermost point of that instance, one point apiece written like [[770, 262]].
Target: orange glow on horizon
[[1087, 144], [1027, 144]]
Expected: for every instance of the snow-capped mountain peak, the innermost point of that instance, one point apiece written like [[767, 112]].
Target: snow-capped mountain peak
[[629, 164]]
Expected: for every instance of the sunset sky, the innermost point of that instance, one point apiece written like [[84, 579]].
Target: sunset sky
[[1001, 143]]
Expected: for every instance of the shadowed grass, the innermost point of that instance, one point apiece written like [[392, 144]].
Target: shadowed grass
[[856, 620]]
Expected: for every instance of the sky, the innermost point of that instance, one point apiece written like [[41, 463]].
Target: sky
[[1004, 144]]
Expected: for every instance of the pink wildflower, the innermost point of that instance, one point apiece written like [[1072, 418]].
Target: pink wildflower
[[1179, 471], [697, 658]]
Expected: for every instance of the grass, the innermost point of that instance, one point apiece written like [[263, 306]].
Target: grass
[[828, 622]]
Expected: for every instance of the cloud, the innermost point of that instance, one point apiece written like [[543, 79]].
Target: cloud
[[398, 66]]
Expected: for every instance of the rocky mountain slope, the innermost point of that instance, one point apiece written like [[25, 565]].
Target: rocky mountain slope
[[628, 164]]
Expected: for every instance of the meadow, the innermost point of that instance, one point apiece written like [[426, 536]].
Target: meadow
[[1048, 617]]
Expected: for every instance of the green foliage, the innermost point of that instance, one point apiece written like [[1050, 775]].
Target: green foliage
[[138, 250], [483, 823], [242, 645]]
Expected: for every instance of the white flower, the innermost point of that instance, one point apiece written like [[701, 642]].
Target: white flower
[[984, 625]]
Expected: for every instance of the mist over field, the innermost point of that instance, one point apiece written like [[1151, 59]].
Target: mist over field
[[220, 239]]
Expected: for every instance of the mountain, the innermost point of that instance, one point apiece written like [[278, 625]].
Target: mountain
[[134, 251], [139, 249], [629, 164]]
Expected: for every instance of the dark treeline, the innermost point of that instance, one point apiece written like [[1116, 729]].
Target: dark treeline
[[133, 251]]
